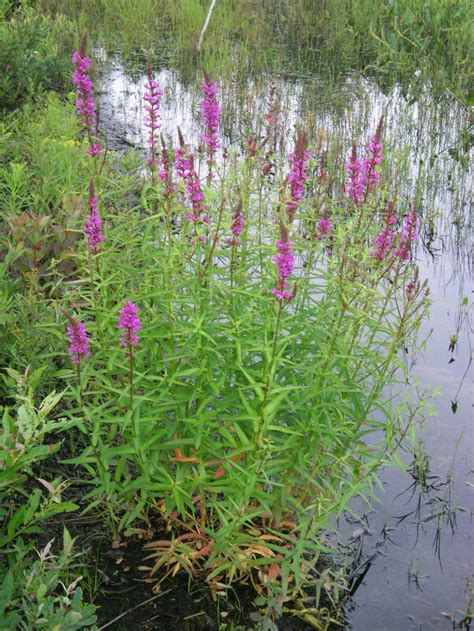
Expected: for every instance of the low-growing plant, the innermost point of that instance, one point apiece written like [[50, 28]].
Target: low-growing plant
[[34, 596]]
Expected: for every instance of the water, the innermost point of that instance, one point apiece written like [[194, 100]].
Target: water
[[422, 572]]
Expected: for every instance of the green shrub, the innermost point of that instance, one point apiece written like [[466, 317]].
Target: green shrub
[[34, 55]]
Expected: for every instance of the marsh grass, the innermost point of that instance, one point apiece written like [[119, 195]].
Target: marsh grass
[[392, 41]]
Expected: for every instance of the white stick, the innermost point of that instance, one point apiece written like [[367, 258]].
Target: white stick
[[208, 17]]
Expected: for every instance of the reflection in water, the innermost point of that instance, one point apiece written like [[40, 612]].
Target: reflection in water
[[419, 540]]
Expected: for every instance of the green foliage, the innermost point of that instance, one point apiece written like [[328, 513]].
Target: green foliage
[[22, 438], [242, 420], [34, 596], [33, 56], [30, 592]]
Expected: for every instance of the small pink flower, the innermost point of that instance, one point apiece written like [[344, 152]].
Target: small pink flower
[[129, 323], [94, 150]]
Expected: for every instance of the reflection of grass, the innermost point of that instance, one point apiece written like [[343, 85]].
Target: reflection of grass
[[391, 39]]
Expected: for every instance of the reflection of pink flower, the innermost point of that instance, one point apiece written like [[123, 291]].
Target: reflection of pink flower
[[79, 346], [129, 323]]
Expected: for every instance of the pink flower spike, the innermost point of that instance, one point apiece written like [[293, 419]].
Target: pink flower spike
[[93, 225], [85, 103], [152, 98], [355, 186], [184, 167], [79, 346], [285, 262], [297, 176], [408, 234], [211, 116], [129, 323]]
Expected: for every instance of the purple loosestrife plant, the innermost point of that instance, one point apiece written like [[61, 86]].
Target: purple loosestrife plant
[[129, 323], [409, 233], [323, 228], [165, 173], [211, 117], [79, 346], [354, 170], [297, 176], [152, 98], [362, 173], [374, 154], [285, 262], [236, 227], [184, 167], [384, 239], [93, 225], [85, 103]]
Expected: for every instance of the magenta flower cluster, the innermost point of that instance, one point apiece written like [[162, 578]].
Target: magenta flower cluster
[[297, 176], [129, 323], [79, 345], [236, 227], [323, 227], [93, 225], [409, 233], [285, 262], [85, 103], [211, 116], [363, 175], [152, 98], [184, 166], [384, 239]]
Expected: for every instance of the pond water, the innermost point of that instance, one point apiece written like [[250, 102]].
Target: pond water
[[420, 541]]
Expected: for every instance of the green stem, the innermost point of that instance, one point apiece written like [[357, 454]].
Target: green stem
[[269, 378]]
